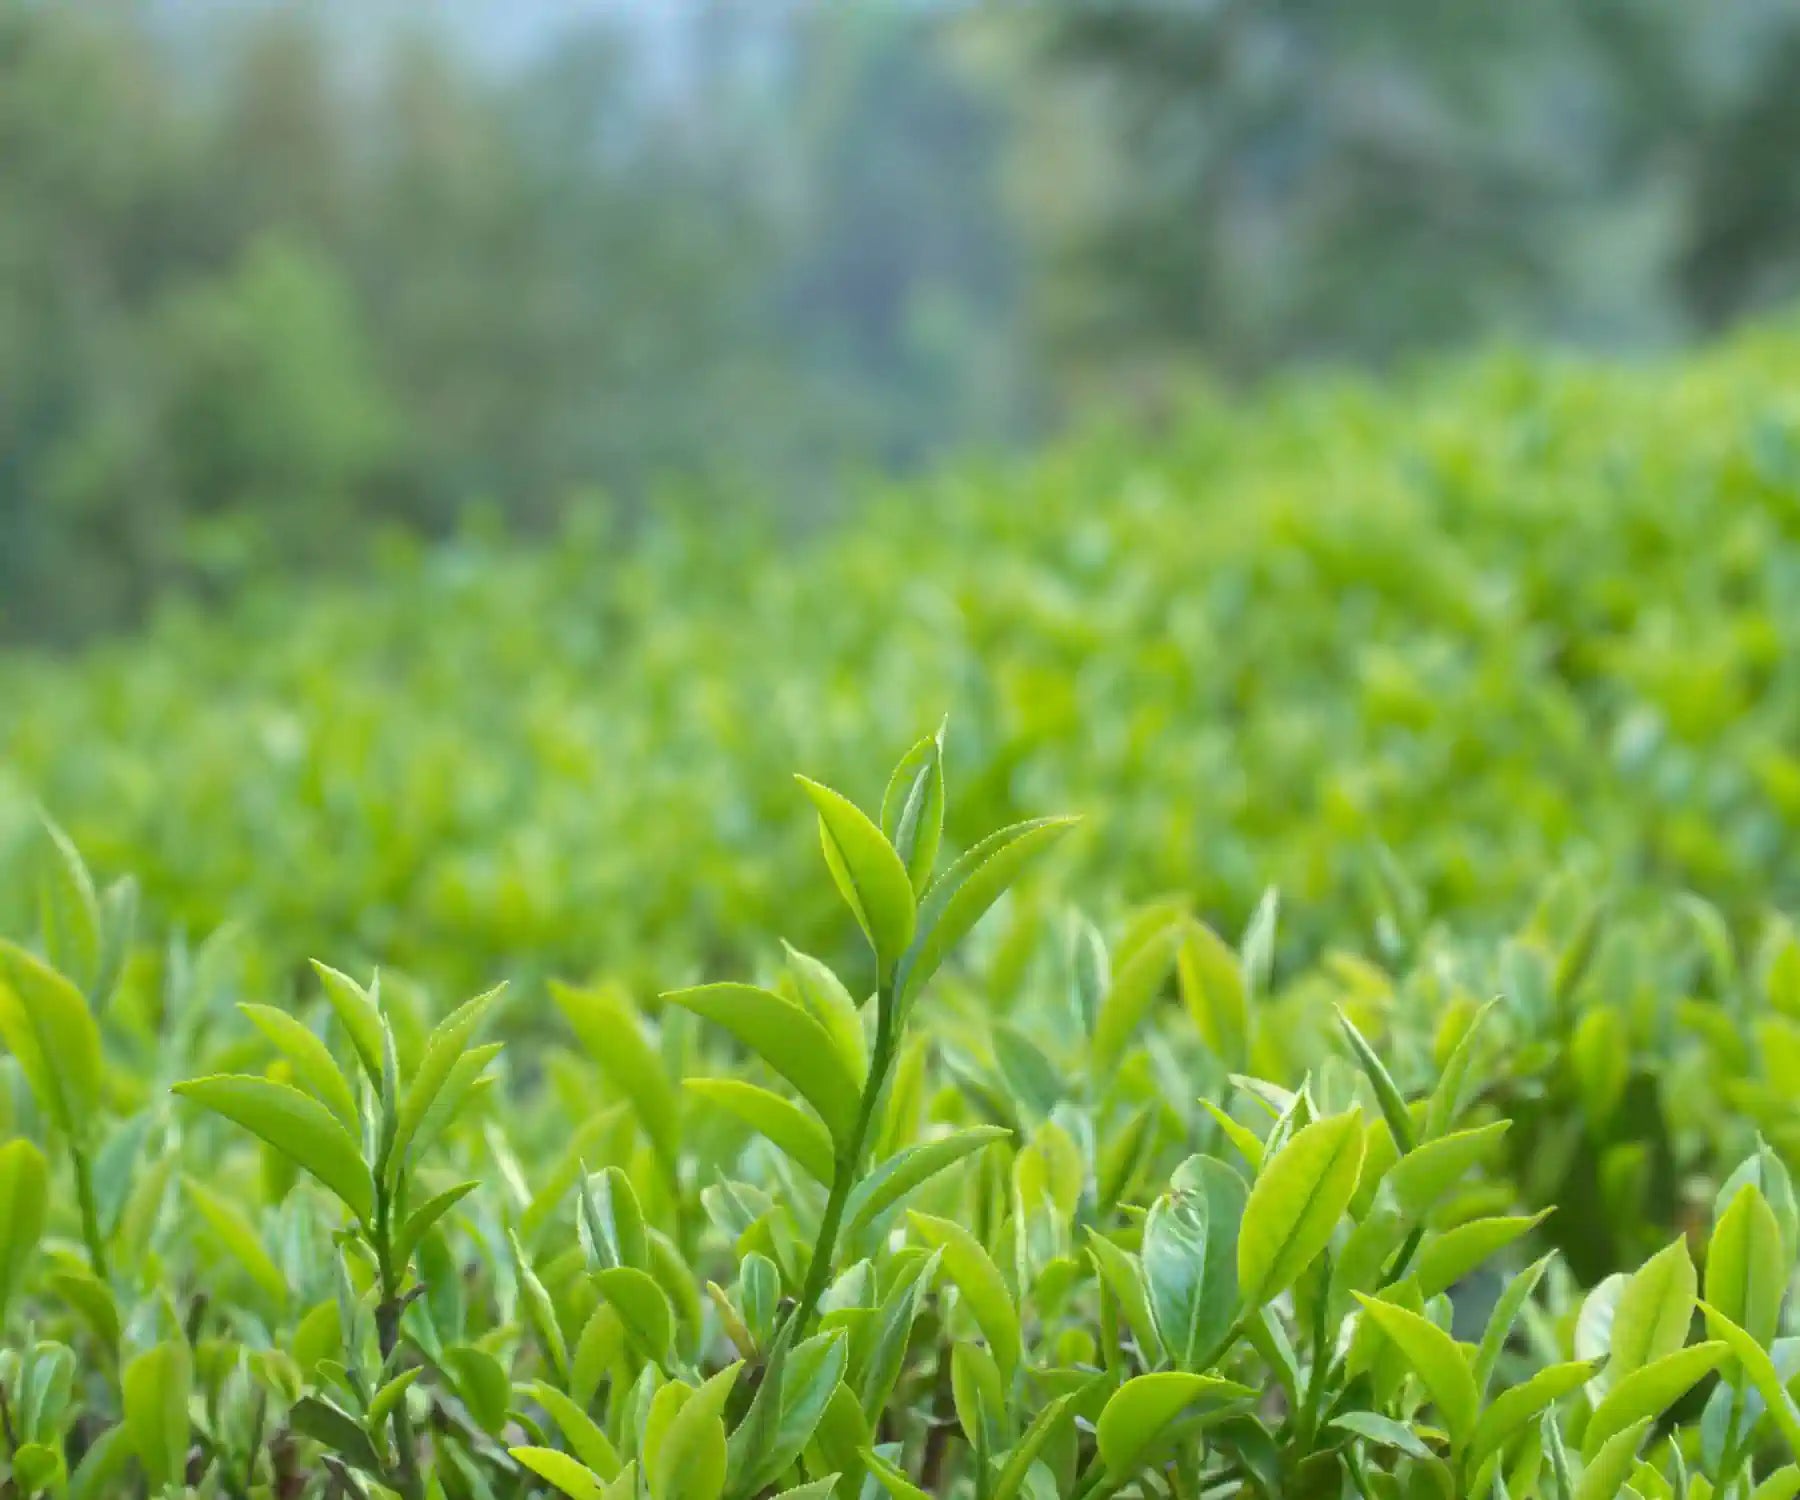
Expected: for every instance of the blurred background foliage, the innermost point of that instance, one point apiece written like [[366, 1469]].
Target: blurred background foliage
[[276, 281]]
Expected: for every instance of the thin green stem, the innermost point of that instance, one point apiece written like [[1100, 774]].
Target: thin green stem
[[90, 1212], [387, 1329], [1321, 1358], [848, 1166]]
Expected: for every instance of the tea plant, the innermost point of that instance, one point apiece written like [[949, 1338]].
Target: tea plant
[[1130, 1218], [1509, 614]]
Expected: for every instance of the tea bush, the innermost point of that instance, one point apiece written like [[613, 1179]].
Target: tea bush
[[1389, 1088], [1052, 1238], [1500, 618]]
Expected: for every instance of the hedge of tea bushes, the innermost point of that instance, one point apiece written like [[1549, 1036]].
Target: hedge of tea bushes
[[1010, 1203], [1487, 622]]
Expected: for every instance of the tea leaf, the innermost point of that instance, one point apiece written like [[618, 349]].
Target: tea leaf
[[888, 1183], [789, 1040], [871, 877], [1437, 1360], [797, 1133], [296, 1125], [45, 1023], [1296, 1202]]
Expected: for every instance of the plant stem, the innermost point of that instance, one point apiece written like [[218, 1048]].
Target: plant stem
[[1321, 1361], [387, 1330], [848, 1165], [90, 1212]]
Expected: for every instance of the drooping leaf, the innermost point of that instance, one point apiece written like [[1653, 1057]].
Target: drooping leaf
[[789, 1040], [310, 1058], [295, 1124], [568, 1475], [326, 1422], [979, 1280], [1437, 1360], [1137, 1417]]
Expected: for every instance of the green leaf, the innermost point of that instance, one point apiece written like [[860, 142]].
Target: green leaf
[[898, 1486], [24, 1202], [68, 910], [539, 1308], [1654, 1310], [886, 1352], [311, 1060], [1452, 1255], [1649, 1391], [1506, 1311], [391, 1394], [609, 1029], [612, 1221], [325, 1422], [295, 1124], [979, 1280], [359, 1015], [1760, 1370], [1783, 1484], [156, 1386], [1137, 1417], [1387, 1092], [869, 874], [1024, 1454], [240, 1239], [642, 1306], [1436, 1359], [481, 1380], [1422, 1177], [888, 1183], [448, 1042], [1298, 1198], [1125, 1280], [1190, 1261], [98, 1475], [580, 1431], [689, 1463], [419, 1221], [789, 1040], [1215, 991], [786, 1410], [792, 1129], [960, 897], [574, 1479], [1747, 1270], [912, 808], [1514, 1407], [1605, 1476], [1384, 1431], [46, 1024], [1139, 979], [823, 994]]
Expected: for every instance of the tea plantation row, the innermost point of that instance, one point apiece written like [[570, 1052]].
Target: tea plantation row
[[1388, 1087]]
